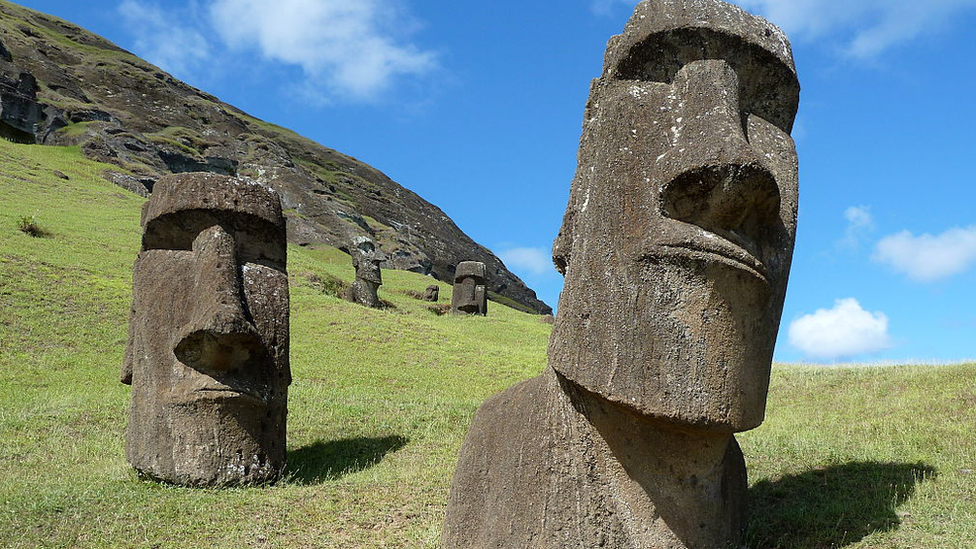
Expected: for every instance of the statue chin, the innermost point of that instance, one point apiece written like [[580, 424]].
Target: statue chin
[[691, 346]]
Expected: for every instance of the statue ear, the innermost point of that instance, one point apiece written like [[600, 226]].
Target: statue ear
[[126, 376]]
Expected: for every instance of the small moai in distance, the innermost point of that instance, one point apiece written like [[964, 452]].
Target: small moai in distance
[[469, 296], [207, 354], [432, 293], [676, 246], [366, 259]]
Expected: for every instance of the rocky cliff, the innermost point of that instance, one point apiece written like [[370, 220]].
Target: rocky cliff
[[62, 85]]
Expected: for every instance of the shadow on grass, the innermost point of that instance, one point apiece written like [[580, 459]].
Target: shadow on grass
[[322, 461], [832, 506]]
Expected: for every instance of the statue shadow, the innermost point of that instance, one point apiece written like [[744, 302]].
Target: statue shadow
[[831, 507], [329, 460]]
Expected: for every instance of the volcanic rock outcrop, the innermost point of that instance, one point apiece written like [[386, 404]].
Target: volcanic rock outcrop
[[676, 247]]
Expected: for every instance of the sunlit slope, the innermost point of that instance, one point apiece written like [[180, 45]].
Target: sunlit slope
[[379, 403], [865, 458]]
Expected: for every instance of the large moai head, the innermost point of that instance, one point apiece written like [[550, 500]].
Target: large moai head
[[469, 295], [677, 241], [207, 356]]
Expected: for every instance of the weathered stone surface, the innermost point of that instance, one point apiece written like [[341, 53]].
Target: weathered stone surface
[[207, 355], [469, 296], [20, 114], [432, 293], [676, 247], [548, 465], [366, 260]]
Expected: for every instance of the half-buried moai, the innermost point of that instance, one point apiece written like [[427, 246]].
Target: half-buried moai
[[469, 296], [432, 293], [207, 355], [675, 246], [366, 260]]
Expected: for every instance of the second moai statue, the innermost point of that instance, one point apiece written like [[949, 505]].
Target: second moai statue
[[366, 259], [432, 293], [469, 296], [207, 355], [676, 247]]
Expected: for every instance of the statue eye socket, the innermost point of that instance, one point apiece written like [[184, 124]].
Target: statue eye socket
[[257, 241], [767, 88], [770, 92]]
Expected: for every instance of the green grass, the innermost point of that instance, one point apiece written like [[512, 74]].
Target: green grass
[[381, 399]]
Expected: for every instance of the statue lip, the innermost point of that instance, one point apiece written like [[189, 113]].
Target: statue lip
[[704, 245], [224, 392], [211, 389]]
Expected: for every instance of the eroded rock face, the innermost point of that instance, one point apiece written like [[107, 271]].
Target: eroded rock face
[[207, 355], [366, 259], [469, 296], [676, 247]]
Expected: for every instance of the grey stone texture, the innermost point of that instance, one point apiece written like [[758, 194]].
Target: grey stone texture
[[207, 355], [469, 296], [366, 260], [675, 246], [432, 293]]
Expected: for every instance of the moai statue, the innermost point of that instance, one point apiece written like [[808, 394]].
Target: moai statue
[[675, 247], [366, 259], [432, 293], [207, 355], [469, 296]]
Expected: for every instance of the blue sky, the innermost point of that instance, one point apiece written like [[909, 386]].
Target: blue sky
[[477, 106]]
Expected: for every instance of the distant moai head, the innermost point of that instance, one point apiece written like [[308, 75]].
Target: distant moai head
[[432, 293], [207, 355], [677, 240], [367, 260], [469, 295]]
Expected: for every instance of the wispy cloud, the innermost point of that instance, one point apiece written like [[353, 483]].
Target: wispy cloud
[[860, 223], [532, 260], [863, 28], [162, 37], [926, 257], [605, 7], [866, 27], [844, 331], [354, 49]]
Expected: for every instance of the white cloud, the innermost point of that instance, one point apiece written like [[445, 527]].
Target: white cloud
[[926, 258], [860, 223], [533, 260], [869, 27], [349, 47], [162, 38], [605, 7], [846, 330], [863, 28], [859, 216]]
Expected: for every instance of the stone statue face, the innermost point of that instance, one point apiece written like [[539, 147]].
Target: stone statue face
[[469, 295], [366, 261], [677, 241], [208, 345]]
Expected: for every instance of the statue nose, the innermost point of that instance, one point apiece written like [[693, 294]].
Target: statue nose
[[716, 179], [219, 336]]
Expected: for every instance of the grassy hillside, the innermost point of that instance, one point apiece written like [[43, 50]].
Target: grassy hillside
[[879, 458]]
